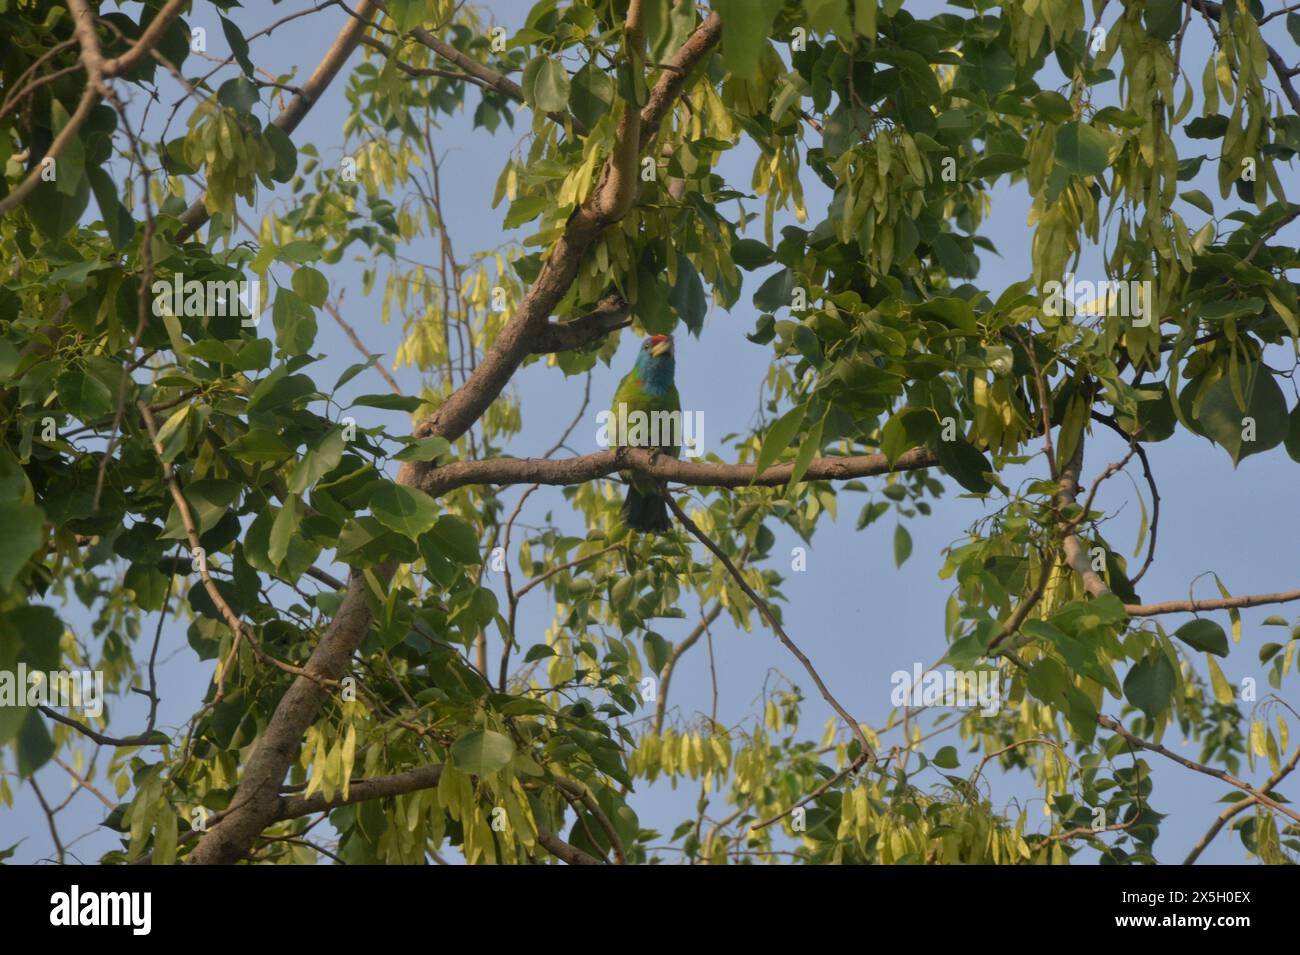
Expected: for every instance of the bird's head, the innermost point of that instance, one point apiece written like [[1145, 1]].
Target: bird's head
[[659, 345], [654, 363]]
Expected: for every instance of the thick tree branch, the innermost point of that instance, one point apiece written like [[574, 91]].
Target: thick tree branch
[[615, 196], [256, 800], [610, 315], [448, 477], [563, 850], [1075, 554]]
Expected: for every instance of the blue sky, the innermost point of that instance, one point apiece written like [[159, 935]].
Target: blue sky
[[856, 616]]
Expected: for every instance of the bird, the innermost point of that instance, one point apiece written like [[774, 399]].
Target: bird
[[648, 389]]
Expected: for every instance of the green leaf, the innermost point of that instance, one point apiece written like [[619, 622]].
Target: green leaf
[[149, 585], [1081, 149], [1207, 127], [828, 17], [257, 446], [389, 402], [299, 252], [538, 651], [24, 535], [238, 94], [946, 758], [238, 46], [406, 510], [425, 449], [1149, 684], [525, 208], [311, 285], [1225, 309], [995, 164], [295, 322], [657, 651], [591, 94], [1223, 421], [457, 540], [406, 14], [687, 296], [779, 437], [283, 529], [1155, 419], [1204, 634], [318, 462], [84, 396], [902, 545], [208, 500], [1293, 433], [35, 747], [965, 464], [776, 291], [751, 254], [1199, 199], [9, 358], [909, 428], [746, 25], [174, 435], [482, 752], [546, 84], [286, 153], [71, 163], [1163, 18], [14, 484], [117, 221], [809, 445], [1052, 106]]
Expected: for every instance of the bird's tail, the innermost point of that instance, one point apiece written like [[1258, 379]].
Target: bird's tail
[[645, 512]]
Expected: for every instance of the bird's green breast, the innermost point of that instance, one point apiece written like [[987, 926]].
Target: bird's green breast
[[631, 393]]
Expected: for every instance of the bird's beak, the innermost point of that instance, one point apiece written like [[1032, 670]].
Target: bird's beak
[[662, 348]]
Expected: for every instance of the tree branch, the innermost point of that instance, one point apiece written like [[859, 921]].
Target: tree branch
[[610, 315], [499, 471], [1075, 556], [1196, 606], [1237, 807], [1116, 727]]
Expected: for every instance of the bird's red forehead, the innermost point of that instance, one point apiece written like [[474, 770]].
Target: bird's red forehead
[[656, 339]]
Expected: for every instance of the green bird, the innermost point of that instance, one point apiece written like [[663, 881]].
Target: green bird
[[647, 414]]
